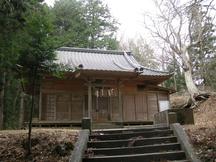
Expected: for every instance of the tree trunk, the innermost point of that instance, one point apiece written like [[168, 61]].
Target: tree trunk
[[31, 110], [174, 75], [16, 98], [21, 112], [174, 81], [2, 88], [191, 87]]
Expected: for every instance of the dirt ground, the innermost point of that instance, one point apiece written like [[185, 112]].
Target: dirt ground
[[48, 145], [203, 133]]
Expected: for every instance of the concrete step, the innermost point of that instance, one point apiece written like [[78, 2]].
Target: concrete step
[[133, 142], [127, 135], [148, 157], [127, 130], [105, 126], [178, 161], [136, 149], [133, 123]]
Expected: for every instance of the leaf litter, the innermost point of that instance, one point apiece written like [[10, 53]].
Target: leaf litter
[[50, 145]]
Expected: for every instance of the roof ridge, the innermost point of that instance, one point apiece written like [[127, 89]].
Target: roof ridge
[[89, 50]]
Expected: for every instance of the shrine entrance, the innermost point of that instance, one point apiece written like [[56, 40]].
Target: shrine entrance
[[104, 103]]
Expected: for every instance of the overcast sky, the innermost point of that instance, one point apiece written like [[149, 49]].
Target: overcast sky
[[129, 14]]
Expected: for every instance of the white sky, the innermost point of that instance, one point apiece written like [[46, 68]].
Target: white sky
[[129, 14]]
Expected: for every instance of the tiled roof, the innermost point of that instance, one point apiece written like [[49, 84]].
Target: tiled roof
[[103, 60]]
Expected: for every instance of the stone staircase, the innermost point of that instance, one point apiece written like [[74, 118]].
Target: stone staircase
[[140, 144]]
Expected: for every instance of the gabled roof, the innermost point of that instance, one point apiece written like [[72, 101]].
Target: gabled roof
[[103, 60]]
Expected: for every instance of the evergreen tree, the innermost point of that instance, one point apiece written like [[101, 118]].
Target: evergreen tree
[[37, 52], [101, 25], [70, 24], [12, 20], [177, 81], [202, 52], [86, 23]]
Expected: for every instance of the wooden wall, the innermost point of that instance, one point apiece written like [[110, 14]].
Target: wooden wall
[[63, 100], [60, 85], [141, 105], [67, 100], [62, 107]]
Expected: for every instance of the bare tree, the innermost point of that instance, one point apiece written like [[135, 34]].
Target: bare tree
[[142, 51], [174, 25]]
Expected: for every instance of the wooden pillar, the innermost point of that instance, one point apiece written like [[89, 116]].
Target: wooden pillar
[[87, 121], [89, 99], [120, 102]]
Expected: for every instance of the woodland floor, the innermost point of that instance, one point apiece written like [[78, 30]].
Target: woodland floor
[[48, 145], [203, 133]]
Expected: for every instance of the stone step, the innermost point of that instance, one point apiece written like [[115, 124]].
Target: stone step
[[127, 130], [136, 149], [179, 161], [116, 136], [131, 142], [148, 157], [136, 123], [105, 126]]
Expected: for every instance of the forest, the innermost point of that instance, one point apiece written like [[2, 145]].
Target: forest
[[31, 31]]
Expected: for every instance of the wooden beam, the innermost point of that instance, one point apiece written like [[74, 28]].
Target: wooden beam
[[147, 104], [120, 102], [55, 107], [158, 105], [89, 99], [104, 85], [83, 106]]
